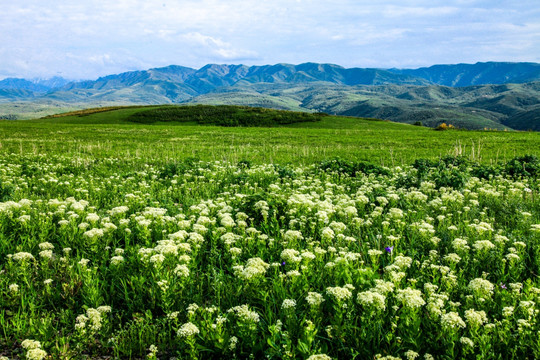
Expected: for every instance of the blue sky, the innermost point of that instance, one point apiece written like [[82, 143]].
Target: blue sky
[[85, 39]]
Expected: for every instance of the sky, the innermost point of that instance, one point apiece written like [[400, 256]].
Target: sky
[[85, 39]]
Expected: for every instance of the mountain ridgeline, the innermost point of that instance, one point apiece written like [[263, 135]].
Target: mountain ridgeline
[[484, 95]]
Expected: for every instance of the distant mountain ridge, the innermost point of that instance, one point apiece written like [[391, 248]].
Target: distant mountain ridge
[[213, 76], [35, 85], [491, 94], [180, 83], [461, 75]]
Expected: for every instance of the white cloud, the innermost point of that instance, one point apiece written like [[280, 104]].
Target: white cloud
[[96, 37], [400, 11], [218, 47]]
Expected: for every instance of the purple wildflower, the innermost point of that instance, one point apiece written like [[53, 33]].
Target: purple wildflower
[[389, 249], [503, 286]]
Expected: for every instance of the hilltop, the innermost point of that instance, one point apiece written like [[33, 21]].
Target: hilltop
[[220, 115]]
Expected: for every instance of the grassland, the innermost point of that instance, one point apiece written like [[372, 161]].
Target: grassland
[[116, 243], [106, 134]]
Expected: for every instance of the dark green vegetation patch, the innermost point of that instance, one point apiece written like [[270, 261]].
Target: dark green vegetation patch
[[223, 115]]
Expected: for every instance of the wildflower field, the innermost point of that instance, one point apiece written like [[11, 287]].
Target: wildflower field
[[337, 239], [106, 258]]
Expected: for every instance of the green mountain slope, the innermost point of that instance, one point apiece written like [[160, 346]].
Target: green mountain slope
[[399, 95], [525, 120], [476, 74], [476, 107]]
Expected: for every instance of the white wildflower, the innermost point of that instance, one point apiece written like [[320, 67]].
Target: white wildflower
[[288, 304], [372, 299], [411, 298], [244, 313], [188, 330], [475, 318], [181, 270], [319, 357], [481, 287], [452, 320], [339, 293], [117, 260], [314, 298]]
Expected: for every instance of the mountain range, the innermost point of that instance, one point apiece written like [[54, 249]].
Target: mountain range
[[494, 95]]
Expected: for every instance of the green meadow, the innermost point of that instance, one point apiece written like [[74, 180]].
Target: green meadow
[[112, 133], [295, 236]]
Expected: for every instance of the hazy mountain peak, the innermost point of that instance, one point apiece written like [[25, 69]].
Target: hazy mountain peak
[[35, 85]]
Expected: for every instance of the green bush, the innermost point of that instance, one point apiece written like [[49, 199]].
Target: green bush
[[352, 168], [224, 115], [486, 171], [524, 166]]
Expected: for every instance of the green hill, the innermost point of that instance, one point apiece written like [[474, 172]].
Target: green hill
[[223, 115], [220, 115]]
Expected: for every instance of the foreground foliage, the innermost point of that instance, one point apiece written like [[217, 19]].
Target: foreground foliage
[[199, 259]]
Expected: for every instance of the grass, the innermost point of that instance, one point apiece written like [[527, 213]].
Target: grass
[[115, 242], [107, 134]]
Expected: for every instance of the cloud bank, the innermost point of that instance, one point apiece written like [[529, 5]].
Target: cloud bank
[[90, 38]]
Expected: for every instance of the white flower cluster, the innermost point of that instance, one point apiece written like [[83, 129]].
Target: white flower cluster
[[92, 320], [411, 298], [452, 320], [22, 256], [314, 298], [188, 330], [371, 299], [288, 304], [481, 287], [475, 318], [319, 357], [33, 350], [244, 314], [181, 270], [291, 256], [340, 293], [254, 269]]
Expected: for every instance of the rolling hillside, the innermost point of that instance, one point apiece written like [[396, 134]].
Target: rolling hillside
[[476, 107]]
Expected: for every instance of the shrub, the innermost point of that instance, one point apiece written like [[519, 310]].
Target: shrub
[[524, 166], [352, 168], [449, 171], [486, 171], [177, 168], [443, 126]]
